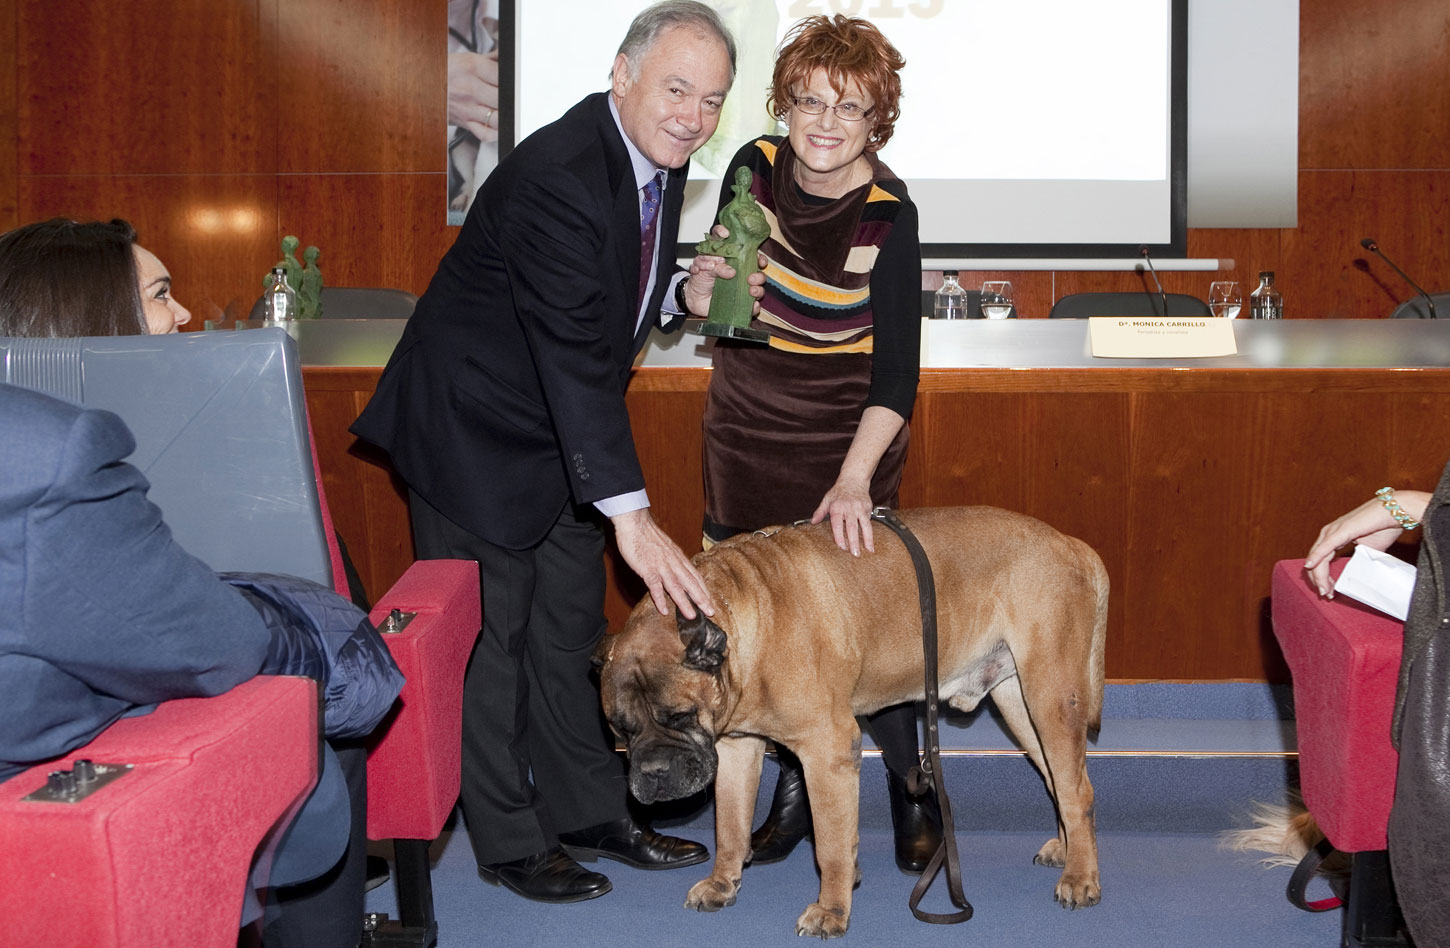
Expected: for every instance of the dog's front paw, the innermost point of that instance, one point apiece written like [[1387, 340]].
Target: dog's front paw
[[1077, 892], [1051, 854], [819, 922], [712, 894]]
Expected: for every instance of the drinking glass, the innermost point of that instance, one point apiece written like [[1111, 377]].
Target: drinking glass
[[996, 299], [1224, 299]]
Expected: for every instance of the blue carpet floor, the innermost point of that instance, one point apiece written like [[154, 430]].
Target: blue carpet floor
[[1173, 767], [1158, 890]]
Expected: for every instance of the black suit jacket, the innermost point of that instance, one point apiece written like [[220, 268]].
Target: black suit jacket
[[505, 395]]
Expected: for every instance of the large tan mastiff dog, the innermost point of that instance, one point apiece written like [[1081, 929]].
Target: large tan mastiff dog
[[807, 637]]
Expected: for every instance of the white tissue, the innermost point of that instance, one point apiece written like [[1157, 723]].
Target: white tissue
[[1378, 580]]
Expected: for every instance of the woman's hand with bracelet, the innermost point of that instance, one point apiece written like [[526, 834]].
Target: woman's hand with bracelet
[[1370, 524]]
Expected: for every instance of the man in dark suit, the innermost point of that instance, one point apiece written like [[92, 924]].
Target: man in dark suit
[[503, 409]]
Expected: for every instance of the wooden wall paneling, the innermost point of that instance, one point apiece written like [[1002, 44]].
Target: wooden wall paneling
[[667, 437], [373, 229], [1407, 211], [9, 106], [1372, 89], [1226, 483], [1032, 453], [1190, 485], [363, 82], [368, 501], [144, 87], [916, 476], [1325, 461], [1251, 249], [1077, 479], [213, 232], [1291, 446], [961, 444], [1417, 435], [1192, 500]]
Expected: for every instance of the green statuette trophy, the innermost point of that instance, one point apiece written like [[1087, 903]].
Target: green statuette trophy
[[305, 279], [309, 294], [731, 304]]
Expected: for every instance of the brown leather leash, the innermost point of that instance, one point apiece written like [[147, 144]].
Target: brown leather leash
[[930, 769]]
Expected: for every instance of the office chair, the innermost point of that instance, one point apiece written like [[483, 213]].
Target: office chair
[[222, 435], [1415, 307], [1077, 305], [356, 302], [1345, 660]]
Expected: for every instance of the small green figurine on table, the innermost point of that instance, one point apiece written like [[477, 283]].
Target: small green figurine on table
[[304, 278], [289, 263], [309, 294], [731, 305]]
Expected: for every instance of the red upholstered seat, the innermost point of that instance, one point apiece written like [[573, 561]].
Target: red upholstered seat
[[414, 765], [415, 758], [160, 856], [413, 769], [1345, 660]]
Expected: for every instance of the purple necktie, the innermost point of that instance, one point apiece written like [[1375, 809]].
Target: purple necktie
[[649, 214]]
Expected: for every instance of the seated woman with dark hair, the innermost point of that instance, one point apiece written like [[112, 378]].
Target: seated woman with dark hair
[[83, 278], [165, 626]]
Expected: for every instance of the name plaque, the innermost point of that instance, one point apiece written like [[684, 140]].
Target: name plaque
[[1151, 337]]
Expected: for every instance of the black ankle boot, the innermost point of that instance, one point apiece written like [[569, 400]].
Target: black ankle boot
[[789, 820], [917, 822]]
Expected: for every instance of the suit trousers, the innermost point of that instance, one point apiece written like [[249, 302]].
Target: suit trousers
[[327, 911], [538, 757]]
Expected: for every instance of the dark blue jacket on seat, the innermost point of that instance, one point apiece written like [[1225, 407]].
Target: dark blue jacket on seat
[[317, 633]]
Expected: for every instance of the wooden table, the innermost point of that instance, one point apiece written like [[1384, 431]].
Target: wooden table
[[1191, 479]]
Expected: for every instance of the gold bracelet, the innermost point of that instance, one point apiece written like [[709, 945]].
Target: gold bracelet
[[1387, 497]]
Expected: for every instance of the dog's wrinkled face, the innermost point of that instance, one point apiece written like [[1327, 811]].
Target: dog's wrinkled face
[[660, 681]]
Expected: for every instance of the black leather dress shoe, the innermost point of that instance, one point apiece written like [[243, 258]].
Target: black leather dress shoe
[[917, 822], [377, 873], [549, 876], [789, 820], [634, 845]]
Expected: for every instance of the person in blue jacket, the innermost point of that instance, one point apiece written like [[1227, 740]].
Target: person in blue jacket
[[104, 614]]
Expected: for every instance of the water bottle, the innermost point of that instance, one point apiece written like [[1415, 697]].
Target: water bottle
[[280, 300], [951, 299], [1265, 301]]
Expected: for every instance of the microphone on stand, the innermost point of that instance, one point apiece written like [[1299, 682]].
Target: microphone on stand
[[1369, 244], [1143, 252]]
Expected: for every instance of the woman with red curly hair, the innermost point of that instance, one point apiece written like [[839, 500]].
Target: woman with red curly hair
[[814, 425]]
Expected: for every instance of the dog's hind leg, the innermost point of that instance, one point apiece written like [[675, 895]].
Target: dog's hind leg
[[1052, 730], [737, 778], [1007, 696]]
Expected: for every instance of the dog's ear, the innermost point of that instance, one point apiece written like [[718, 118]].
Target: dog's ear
[[704, 643], [602, 650]]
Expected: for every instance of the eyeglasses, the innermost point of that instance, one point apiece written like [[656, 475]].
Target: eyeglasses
[[845, 111]]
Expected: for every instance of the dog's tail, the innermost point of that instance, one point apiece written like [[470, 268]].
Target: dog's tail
[[1285, 832]]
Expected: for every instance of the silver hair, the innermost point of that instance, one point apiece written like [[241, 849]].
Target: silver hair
[[666, 15]]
